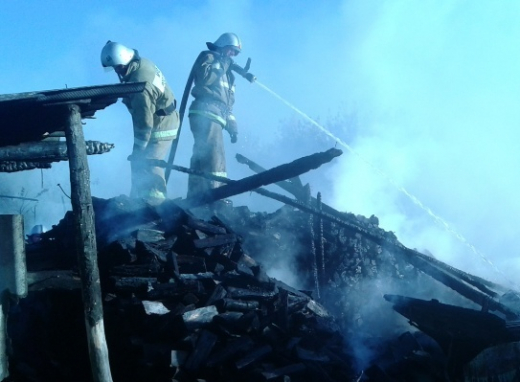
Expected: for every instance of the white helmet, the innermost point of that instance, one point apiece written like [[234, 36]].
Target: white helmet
[[226, 40], [114, 54]]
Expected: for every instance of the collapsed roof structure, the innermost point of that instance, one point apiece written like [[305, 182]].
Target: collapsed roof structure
[[187, 294]]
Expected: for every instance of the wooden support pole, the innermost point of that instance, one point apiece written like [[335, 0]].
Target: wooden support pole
[[13, 276], [83, 212]]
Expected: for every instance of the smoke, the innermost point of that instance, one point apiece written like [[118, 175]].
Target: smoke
[[431, 86]]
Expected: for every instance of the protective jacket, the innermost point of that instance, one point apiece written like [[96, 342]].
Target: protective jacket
[[150, 107], [214, 88], [209, 113], [155, 124]]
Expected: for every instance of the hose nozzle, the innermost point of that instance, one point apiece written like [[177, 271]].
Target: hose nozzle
[[244, 72]]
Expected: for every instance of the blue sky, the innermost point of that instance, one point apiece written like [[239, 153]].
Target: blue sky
[[432, 88]]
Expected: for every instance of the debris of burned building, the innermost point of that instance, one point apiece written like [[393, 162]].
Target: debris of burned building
[[188, 298]]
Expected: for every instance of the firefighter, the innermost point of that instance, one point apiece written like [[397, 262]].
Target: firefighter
[[211, 110], [154, 117]]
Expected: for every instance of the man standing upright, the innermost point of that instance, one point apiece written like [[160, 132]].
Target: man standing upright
[[211, 110], [154, 116]]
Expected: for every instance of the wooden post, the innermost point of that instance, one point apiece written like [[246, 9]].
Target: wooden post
[[83, 212], [13, 276]]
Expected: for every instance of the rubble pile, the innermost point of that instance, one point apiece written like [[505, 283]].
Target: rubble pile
[[184, 301], [189, 298]]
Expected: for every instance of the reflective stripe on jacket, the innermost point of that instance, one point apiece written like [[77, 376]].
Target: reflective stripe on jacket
[[214, 89], [150, 107]]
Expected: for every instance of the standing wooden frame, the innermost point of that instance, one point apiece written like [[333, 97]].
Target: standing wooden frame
[[83, 212]]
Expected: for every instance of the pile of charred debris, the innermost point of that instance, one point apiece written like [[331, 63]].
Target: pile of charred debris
[[188, 296]]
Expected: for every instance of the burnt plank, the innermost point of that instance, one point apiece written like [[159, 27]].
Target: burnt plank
[[232, 348], [254, 356], [274, 374], [215, 241], [203, 348]]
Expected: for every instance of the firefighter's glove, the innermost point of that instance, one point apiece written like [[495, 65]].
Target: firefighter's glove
[[232, 129]]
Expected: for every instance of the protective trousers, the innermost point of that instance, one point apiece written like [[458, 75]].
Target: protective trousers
[[208, 154], [149, 181]]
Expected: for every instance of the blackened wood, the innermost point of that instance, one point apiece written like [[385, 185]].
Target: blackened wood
[[191, 264], [83, 212], [200, 354], [311, 355], [132, 284], [14, 166], [200, 317], [249, 322], [276, 174], [281, 285], [321, 243], [244, 269], [228, 304], [197, 276], [231, 349], [215, 241], [229, 320], [458, 285], [218, 293], [52, 279], [49, 151], [253, 356], [244, 293], [149, 235], [205, 226], [148, 252], [174, 290], [274, 374], [172, 265], [293, 186], [415, 258], [138, 270], [282, 309], [317, 309]]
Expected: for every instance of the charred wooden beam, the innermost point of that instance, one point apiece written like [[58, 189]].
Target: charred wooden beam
[[294, 185], [205, 226], [169, 290], [462, 332], [228, 304], [215, 241], [253, 356], [83, 215], [239, 293], [469, 288], [276, 174], [200, 354], [48, 151], [12, 166], [231, 349], [275, 374]]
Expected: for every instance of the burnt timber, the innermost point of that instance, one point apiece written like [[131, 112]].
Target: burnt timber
[[189, 299], [38, 115], [27, 117]]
